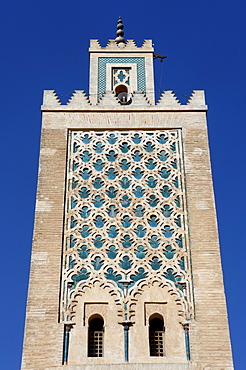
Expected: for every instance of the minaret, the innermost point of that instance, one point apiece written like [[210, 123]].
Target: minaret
[[125, 267], [121, 67]]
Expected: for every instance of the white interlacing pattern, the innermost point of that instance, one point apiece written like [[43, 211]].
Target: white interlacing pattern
[[125, 219]]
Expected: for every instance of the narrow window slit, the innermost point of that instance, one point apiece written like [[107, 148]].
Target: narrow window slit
[[96, 334], [156, 336]]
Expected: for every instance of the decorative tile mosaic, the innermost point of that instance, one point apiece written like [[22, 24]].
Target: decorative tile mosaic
[[141, 82], [121, 76], [125, 219]]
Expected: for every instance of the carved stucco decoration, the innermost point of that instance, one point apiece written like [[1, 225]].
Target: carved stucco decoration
[[125, 223]]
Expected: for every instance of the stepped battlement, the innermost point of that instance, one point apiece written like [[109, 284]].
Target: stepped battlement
[[79, 101], [130, 45]]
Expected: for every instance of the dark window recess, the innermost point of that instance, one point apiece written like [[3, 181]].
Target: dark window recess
[[95, 344], [156, 337]]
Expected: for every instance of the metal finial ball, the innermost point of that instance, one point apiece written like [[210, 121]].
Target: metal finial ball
[[119, 32]]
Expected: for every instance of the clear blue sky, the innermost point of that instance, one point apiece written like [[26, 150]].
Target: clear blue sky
[[44, 46]]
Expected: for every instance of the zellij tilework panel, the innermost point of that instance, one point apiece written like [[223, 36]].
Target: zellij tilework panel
[[125, 220], [102, 63]]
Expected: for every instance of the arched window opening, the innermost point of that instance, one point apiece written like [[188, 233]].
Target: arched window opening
[[156, 335], [120, 88], [95, 335]]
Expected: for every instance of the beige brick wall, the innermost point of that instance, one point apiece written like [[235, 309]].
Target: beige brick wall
[[209, 335]]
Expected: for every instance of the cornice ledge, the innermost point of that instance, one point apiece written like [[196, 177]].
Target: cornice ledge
[[121, 108]]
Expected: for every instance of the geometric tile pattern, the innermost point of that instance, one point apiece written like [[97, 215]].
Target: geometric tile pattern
[[140, 62], [125, 219]]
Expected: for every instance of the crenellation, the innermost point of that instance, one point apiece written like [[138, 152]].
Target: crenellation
[[111, 44], [148, 44], [129, 46], [108, 100], [79, 100], [168, 100], [139, 99], [94, 45], [197, 98], [51, 98]]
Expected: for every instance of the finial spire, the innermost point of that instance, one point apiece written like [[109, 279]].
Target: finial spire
[[120, 32]]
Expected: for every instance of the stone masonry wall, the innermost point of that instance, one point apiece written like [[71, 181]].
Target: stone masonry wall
[[209, 335]]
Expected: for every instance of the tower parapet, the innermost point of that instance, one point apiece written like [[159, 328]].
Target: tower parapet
[[129, 46], [79, 101]]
